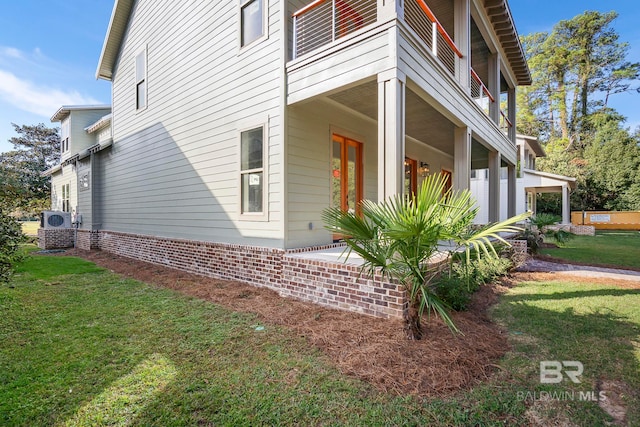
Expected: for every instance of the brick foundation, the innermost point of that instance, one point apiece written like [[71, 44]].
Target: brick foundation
[[583, 230], [340, 285], [87, 240], [55, 238], [330, 284]]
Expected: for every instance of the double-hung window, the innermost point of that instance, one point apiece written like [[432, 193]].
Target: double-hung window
[[65, 198], [252, 21], [64, 135], [252, 172], [141, 80]]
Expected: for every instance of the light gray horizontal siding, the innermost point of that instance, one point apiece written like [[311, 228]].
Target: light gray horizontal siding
[[84, 195], [350, 63], [309, 166], [173, 170], [450, 100]]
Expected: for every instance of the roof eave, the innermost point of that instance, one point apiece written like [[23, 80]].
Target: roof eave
[[113, 38], [499, 13]]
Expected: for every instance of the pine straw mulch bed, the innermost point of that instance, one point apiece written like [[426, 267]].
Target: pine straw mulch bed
[[374, 350]]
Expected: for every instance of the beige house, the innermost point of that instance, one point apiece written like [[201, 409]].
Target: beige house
[[236, 122]]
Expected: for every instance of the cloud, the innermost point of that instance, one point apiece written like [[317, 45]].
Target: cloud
[[37, 99], [11, 52]]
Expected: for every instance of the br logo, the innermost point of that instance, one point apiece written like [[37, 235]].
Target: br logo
[[551, 371]]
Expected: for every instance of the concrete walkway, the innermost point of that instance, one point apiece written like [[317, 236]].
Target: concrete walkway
[[536, 265]]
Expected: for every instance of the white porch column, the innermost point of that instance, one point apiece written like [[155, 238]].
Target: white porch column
[[494, 87], [391, 117], [461, 158], [462, 38], [566, 205], [523, 164], [511, 190], [494, 186], [534, 202]]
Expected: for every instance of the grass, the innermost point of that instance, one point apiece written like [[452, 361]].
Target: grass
[[30, 228], [83, 346], [620, 248], [597, 325]]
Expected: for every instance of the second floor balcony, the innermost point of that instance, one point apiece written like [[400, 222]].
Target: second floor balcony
[[486, 74]]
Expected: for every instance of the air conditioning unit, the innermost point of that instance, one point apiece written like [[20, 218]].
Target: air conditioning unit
[[56, 219]]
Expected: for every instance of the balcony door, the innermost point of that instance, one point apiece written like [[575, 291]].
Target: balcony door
[[346, 173]]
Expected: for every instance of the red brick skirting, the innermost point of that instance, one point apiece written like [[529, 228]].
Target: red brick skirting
[[330, 284], [55, 238]]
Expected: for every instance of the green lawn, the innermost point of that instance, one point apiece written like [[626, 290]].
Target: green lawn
[[619, 248], [83, 346], [30, 228], [596, 325]]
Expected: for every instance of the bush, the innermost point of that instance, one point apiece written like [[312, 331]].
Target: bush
[[10, 239], [456, 285], [539, 228]]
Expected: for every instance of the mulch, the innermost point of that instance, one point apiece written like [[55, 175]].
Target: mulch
[[371, 349]]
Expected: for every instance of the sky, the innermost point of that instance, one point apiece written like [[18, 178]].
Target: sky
[[49, 51]]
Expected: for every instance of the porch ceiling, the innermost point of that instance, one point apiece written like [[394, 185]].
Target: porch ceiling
[[423, 122]]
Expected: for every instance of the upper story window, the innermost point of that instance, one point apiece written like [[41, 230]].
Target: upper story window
[[141, 80], [64, 136], [252, 21]]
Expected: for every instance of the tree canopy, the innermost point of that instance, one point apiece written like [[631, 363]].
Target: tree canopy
[[36, 149], [576, 69]]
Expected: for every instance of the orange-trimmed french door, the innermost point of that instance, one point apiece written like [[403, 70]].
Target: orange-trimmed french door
[[346, 174]]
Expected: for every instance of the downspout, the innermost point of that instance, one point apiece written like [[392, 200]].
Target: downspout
[[92, 187]]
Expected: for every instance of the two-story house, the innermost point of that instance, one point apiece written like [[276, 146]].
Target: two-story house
[[529, 183], [75, 122], [236, 122]]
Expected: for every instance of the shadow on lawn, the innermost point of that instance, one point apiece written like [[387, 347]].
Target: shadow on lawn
[[547, 327], [573, 294]]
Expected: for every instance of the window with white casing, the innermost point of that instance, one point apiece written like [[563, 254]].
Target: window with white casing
[[65, 198], [64, 135], [252, 21], [253, 173], [141, 80]]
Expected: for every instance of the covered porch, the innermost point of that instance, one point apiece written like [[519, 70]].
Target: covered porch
[[370, 140], [535, 182]]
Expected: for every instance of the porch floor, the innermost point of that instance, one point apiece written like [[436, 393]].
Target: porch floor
[[339, 255]]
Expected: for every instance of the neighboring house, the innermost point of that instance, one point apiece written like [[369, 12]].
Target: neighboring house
[[236, 122], [529, 183], [77, 135]]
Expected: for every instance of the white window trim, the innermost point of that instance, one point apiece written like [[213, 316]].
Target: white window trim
[[247, 126], [143, 51], [64, 139], [265, 29]]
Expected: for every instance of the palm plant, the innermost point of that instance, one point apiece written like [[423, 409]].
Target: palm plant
[[401, 235]]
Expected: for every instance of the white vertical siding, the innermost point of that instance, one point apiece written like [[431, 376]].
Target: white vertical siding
[[173, 170]]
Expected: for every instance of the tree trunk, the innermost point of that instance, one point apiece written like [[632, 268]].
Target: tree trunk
[[412, 326]]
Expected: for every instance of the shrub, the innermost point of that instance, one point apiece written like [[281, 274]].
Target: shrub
[[539, 227], [10, 239], [456, 285]]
